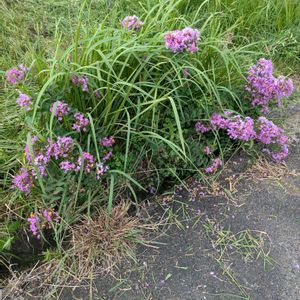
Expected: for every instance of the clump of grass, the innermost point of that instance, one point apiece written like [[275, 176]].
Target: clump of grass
[[105, 240], [96, 246], [272, 25]]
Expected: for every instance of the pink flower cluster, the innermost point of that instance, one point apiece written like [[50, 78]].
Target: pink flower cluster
[[16, 74], [265, 87], [101, 169], [186, 39], [23, 181], [81, 81], [217, 163], [201, 128], [207, 150], [61, 150], [67, 166], [88, 162], [81, 122], [107, 141], [24, 101], [96, 94], [40, 220], [107, 156], [269, 133], [41, 158], [34, 139], [60, 109], [239, 129], [244, 129], [132, 23], [217, 121]]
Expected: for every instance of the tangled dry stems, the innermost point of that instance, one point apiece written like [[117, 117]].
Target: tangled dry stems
[[265, 169], [97, 246], [106, 240]]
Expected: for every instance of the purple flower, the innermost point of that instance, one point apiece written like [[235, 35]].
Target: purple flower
[[207, 150], [264, 87], [284, 88], [185, 39], [271, 134], [67, 166], [34, 139], [14, 75], [268, 131], [47, 215], [101, 169], [23, 181], [279, 156], [217, 163], [132, 23], [60, 109], [282, 139], [107, 156], [81, 122], [218, 122], [107, 141], [88, 162], [97, 94], [41, 161], [38, 221], [201, 128], [33, 225], [61, 148], [227, 113], [24, 101], [241, 130], [81, 81]]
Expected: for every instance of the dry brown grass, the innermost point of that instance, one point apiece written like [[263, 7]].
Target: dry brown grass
[[106, 240], [263, 169], [96, 246]]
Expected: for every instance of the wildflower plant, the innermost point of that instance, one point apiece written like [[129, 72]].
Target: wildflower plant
[[262, 131], [264, 87], [60, 109], [24, 101], [183, 40], [117, 110], [132, 23], [16, 74], [42, 220]]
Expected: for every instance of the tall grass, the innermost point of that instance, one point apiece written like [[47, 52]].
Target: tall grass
[[142, 85], [273, 25]]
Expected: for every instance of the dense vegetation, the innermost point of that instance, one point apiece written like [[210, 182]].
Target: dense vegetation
[[108, 112]]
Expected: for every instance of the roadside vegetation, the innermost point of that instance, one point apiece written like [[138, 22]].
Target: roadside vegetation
[[106, 103]]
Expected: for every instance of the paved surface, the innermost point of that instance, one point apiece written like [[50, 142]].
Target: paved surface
[[190, 264]]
